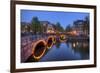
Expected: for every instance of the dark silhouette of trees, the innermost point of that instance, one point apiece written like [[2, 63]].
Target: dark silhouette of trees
[[36, 26], [68, 28], [59, 27]]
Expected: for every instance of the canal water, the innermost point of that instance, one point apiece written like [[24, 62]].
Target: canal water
[[65, 51]]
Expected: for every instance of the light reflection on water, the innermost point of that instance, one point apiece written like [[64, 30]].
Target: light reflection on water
[[67, 51]]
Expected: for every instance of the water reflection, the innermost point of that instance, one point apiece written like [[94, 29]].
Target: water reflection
[[69, 50], [58, 45], [82, 48]]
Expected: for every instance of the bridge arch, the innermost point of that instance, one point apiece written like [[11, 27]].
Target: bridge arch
[[50, 41], [39, 49]]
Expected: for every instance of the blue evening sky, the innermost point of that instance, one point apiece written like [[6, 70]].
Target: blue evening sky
[[64, 18]]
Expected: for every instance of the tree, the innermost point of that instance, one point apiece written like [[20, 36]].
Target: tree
[[68, 28], [36, 26], [59, 27]]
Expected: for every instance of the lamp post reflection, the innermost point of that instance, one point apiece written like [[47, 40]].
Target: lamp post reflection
[[80, 47]]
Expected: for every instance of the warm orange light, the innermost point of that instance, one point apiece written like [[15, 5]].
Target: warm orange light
[[50, 31], [74, 32]]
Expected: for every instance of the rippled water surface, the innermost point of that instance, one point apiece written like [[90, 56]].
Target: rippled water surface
[[67, 51]]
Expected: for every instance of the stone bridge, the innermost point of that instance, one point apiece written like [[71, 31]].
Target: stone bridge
[[37, 45]]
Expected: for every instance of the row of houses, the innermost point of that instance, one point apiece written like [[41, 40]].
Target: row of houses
[[46, 26], [80, 27]]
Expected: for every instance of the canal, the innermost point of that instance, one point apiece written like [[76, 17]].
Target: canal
[[65, 51]]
